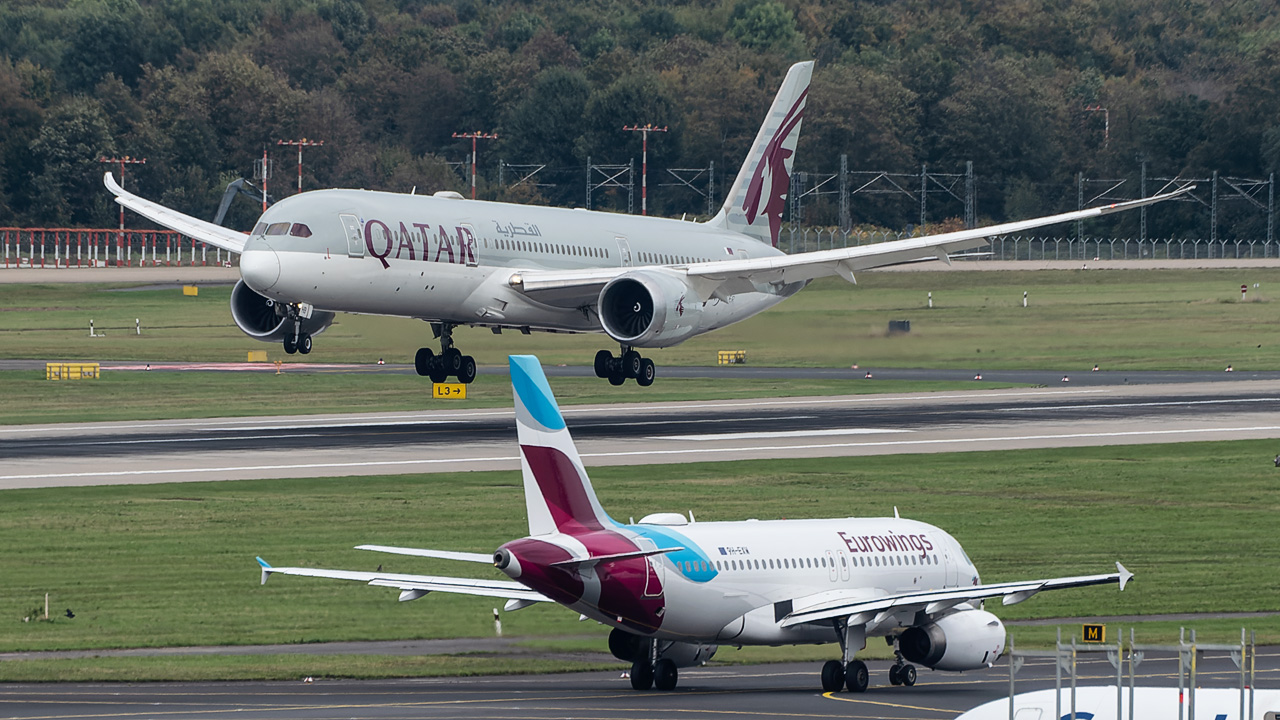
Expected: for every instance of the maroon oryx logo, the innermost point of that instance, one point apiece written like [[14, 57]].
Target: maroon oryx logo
[[775, 157]]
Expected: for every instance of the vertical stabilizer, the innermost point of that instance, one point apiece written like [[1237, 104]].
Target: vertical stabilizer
[[557, 493], [758, 196]]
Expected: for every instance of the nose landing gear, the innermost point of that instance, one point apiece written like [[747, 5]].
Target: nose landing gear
[[630, 365], [449, 363]]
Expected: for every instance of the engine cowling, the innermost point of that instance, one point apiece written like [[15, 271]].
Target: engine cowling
[[264, 319], [965, 640], [649, 308], [626, 646]]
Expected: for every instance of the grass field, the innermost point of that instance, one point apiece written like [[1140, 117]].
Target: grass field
[[166, 565], [29, 398], [1141, 319]]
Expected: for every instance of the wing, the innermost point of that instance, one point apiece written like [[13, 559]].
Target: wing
[[413, 587], [205, 232], [731, 277], [869, 611]]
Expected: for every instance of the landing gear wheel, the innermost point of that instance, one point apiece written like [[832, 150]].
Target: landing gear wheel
[[452, 360], [468, 371], [422, 361], [893, 676], [304, 344], [617, 378], [856, 678], [647, 373], [665, 675], [603, 358], [641, 674], [631, 364], [290, 344], [907, 674], [832, 676], [438, 372]]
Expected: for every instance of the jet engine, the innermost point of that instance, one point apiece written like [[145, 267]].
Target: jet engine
[[625, 646], [966, 640], [265, 319], [649, 308]]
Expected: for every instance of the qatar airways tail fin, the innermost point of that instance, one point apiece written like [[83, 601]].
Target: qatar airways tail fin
[[758, 196], [557, 493]]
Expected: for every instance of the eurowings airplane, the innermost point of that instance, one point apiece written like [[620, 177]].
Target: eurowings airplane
[[1149, 703], [673, 590], [645, 282]]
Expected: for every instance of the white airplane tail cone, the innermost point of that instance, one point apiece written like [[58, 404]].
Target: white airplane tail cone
[[758, 196], [557, 493]]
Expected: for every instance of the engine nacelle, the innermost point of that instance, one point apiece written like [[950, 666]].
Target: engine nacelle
[[649, 308], [626, 646], [266, 319], [966, 640]]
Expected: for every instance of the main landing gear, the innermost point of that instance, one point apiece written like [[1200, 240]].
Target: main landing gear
[[629, 365], [848, 672], [449, 363], [648, 671]]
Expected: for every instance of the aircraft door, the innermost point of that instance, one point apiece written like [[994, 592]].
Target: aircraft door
[[655, 572], [467, 245], [355, 240], [832, 573], [949, 564], [624, 251]]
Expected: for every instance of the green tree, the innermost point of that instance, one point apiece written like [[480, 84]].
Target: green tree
[[67, 183]]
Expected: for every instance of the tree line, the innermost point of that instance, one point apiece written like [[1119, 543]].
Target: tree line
[[200, 87]]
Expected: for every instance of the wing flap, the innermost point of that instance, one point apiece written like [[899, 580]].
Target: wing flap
[[192, 227], [937, 601]]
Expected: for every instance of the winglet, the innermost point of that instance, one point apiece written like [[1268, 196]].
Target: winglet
[[266, 570], [1125, 576]]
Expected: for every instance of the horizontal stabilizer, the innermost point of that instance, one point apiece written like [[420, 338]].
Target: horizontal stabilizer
[[439, 554], [593, 561], [425, 583]]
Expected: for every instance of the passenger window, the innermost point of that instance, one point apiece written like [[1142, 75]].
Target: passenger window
[[277, 228], [300, 230]]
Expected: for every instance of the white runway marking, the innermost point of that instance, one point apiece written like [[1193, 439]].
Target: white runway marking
[[779, 434], [673, 453]]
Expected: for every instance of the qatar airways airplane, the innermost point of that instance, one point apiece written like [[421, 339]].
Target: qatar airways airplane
[[674, 589], [645, 282]]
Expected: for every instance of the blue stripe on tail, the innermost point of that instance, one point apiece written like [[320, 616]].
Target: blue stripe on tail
[[533, 392]]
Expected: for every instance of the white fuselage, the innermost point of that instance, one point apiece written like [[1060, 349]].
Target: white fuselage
[[452, 260], [733, 581]]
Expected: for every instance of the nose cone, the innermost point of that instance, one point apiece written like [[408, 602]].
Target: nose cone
[[260, 267]]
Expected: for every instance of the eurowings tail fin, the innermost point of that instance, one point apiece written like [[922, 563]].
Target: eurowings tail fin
[[758, 196], [557, 492]]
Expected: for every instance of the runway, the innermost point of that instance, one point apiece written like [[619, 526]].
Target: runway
[[644, 433], [760, 691]]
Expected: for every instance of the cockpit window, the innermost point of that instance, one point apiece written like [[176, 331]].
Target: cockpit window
[[300, 230], [278, 228], [259, 228]]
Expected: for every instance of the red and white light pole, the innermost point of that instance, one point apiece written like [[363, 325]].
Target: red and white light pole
[[126, 160], [300, 144], [1106, 120], [644, 161], [475, 136]]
